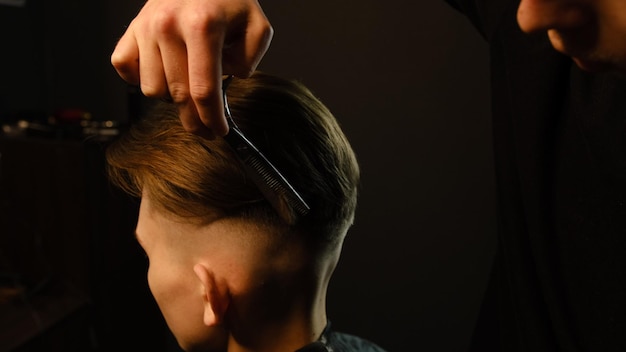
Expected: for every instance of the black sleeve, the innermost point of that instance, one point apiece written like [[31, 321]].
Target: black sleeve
[[485, 15]]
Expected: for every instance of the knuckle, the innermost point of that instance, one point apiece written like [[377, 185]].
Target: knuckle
[[119, 60], [206, 19], [178, 93], [123, 62], [267, 31], [151, 90], [164, 23], [202, 93]]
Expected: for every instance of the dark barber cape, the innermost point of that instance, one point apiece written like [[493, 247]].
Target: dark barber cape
[[332, 341], [558, 281]]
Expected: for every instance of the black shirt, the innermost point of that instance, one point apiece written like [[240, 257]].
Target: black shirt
[[559, 277], [332, 341]]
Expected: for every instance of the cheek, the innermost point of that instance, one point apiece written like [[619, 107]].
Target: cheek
[[155, 281], [172, 289], [168, 280], [180, 300]]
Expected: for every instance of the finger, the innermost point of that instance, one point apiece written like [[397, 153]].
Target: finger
[[205, 77], [245, 47], [153, 83], [191, 123], [174, 55], [125, 58]]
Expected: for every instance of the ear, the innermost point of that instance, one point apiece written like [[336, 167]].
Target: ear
[[216, 298]]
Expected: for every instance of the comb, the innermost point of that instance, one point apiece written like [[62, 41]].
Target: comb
[[277, 190]]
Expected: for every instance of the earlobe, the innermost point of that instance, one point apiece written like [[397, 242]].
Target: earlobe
[[215, 296]]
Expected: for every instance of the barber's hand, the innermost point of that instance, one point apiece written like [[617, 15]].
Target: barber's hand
[[179, 49]]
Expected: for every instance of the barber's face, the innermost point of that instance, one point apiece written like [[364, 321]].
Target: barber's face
[[592, 32]]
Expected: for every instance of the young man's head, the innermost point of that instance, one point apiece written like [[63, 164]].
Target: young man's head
[[224, 267], [592, 32]]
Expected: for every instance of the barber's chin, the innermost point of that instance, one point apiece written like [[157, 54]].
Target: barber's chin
[[593, 66], [600, 66]]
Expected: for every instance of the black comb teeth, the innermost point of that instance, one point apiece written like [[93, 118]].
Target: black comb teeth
[[278, 185], [274, 186]]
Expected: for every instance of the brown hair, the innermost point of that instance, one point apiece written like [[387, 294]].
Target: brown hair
[[195, 178]]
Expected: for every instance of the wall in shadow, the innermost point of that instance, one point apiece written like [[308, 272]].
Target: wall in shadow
[[408, 80]]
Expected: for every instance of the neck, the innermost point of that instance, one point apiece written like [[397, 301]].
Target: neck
[[302, 325]]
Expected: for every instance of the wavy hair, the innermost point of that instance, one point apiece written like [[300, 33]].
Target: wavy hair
[[198, 179]]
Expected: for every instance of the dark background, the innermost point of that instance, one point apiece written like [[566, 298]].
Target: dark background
[[406, 79]]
